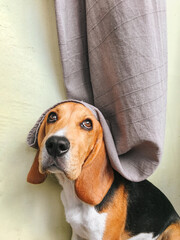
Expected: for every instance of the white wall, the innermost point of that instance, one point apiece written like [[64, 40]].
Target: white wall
[[31, 81]]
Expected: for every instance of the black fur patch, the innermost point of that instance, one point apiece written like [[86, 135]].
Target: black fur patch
[[118, 180], [148, 210]]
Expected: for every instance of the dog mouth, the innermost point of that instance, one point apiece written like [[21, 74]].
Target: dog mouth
[[52, 165]]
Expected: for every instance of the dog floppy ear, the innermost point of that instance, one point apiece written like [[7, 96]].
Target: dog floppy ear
[[96, 176], [34, 176]]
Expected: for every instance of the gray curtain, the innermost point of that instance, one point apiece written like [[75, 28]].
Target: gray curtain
[[114, 56]]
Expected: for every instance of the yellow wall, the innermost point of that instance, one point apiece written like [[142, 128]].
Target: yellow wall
[[31, 81]]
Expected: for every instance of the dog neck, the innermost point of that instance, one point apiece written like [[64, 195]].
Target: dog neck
[[84, 218]]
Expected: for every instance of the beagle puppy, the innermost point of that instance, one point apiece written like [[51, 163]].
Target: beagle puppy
[[99, 203]]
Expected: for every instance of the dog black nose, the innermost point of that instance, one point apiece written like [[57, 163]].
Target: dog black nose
[[57, 146]]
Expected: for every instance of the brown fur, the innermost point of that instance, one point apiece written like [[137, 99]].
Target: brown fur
[[34, 176], [171, 233], [96, 176], [116, 219]]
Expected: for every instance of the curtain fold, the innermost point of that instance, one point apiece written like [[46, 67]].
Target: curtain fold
[[114, 55]]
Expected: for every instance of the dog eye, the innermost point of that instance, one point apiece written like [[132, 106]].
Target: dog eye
[[52, 117], [87, 124]]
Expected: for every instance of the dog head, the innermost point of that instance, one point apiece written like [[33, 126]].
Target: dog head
[[70, 141]]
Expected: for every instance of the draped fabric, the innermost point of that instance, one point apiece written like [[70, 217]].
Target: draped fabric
[[114, 56]]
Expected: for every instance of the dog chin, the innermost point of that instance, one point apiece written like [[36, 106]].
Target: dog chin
[[58, 165], [50, 165], [55, 169], [62, 172]]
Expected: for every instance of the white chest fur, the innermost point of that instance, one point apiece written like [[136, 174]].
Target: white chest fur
[[85, 221], [144, 236]]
